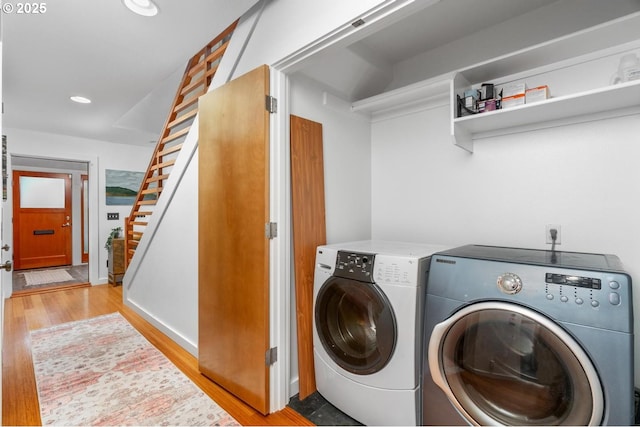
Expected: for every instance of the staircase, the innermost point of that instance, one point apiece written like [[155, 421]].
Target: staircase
[[196, 80]]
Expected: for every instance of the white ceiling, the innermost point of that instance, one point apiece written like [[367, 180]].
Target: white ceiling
[[445, 21], [129, 65], [367, 66]]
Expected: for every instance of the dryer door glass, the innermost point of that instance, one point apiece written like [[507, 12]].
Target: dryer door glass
[[356, 325], [509, 365]]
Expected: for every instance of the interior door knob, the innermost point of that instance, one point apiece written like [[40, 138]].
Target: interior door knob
[[7, 265], [6, 247], [68, 224]]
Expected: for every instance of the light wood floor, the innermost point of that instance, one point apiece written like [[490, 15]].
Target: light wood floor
[[25, 313]]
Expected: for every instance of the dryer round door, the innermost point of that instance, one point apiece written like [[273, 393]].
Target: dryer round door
[[501, 363], [356, 325]]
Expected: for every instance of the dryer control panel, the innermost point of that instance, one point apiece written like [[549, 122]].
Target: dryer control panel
[[355, 265], [601, 299], [579, 281]]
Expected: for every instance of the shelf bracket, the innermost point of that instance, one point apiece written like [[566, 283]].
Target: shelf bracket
[[462, 138]]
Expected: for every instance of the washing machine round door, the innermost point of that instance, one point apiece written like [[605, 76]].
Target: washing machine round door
[[356, 325], [501, 363]]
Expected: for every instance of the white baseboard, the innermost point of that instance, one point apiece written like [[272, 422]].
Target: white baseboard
[[162, 327], [294, 386]]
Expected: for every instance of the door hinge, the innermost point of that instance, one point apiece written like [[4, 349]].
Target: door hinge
[[271, 356], [271, 230], [271, 104]]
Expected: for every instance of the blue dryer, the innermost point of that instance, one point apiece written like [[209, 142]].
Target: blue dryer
[[527, 337]]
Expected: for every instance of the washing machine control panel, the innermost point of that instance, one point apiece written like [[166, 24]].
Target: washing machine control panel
[[355, 265]]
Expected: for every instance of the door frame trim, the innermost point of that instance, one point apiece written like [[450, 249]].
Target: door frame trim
[[94, 244], [280, 247]]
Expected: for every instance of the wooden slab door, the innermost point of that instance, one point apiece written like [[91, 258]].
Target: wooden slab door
[[41, 219], [233, 249], [309, 232]]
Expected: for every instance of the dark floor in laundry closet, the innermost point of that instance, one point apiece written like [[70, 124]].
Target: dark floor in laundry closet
[[316, 409]]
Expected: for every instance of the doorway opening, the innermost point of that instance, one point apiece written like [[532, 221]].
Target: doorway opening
[[50, 224]]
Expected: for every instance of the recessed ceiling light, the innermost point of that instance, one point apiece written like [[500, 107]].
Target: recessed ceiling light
[[80, 99], [142, 7]]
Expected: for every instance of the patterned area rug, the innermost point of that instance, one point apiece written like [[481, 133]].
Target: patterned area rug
[[34, 278], [101, 371]]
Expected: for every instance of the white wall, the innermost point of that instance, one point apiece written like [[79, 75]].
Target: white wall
[[163, 286], [580, 176], [100, 155], [583, 177], [346, 143]]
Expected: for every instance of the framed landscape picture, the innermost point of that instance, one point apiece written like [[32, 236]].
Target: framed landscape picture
[[122, 186]]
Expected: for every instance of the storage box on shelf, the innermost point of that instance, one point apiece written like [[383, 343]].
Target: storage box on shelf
[[537, 94]]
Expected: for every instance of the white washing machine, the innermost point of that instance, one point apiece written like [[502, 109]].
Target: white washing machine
[[528, 337], [367, 332]]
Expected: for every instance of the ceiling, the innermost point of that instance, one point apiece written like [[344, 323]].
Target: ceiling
[[366, 66], [128, 65], [442, 23]]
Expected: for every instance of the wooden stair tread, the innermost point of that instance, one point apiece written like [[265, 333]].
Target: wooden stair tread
[[197, 68], [183, 118], [173, 149], [190, 101], [176, 135], [217, 54], [200, 81], [163, 164], [157, 178], [152, 190]]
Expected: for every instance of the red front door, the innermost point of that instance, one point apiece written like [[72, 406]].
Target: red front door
[[41, 219]]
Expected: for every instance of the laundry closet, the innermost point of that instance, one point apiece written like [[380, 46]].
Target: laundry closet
[[401, 165]]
